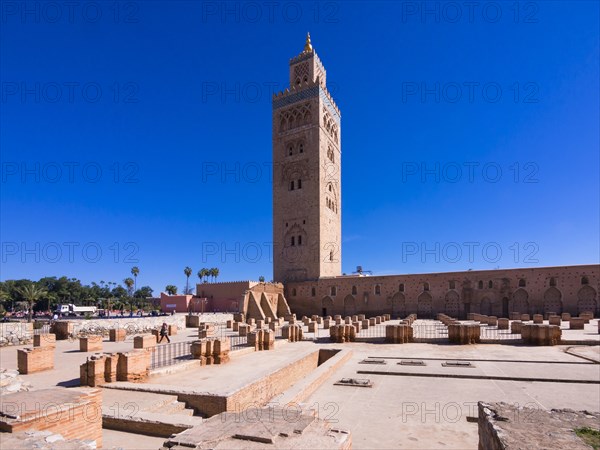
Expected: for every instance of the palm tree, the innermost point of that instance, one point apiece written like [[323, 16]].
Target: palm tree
[[187, 271], [261, 279], [129, 283], [215, 273], [171, 289], [31, 293], [135, 271], [203, 274]]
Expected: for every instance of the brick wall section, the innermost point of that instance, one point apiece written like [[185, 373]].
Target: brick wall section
[[74, 413], [44, 340], [90, 344], [503, 298], [36, 359], [133, 366]]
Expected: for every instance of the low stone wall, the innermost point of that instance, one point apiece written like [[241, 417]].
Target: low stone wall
[[15, 333], [76, 328]]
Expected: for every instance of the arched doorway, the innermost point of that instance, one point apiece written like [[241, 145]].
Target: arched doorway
[[485, 307], [552, 301], [424, 306], [327, 306], [520, 302], [349, 306], [586, 300], [398, 305], [505, 307], [452, 304]]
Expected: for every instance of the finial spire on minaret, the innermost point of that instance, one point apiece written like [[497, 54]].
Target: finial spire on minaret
[[308, 46]]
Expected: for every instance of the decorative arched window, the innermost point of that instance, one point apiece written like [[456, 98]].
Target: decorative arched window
[[377, 289], [480, 285], [522, 282], [299, 184], [333, 290], [292, 185], [293, 241], [584, 280], [552, 281], [490, 284], [401, 287], [290, 150], [300, 240], [331, 255], [452, 285], [301, 148], [313, 292], [353, 290], [425, 286]]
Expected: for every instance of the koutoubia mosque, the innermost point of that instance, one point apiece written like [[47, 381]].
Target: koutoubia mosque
[[307, 235]]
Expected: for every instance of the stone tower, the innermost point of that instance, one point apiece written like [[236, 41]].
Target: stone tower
[[307, 202]]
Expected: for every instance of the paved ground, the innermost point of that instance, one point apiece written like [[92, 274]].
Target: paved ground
[[426, 413], [398, 411]]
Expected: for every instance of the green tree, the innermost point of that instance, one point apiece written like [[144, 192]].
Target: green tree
[[215, 273], [187, 271], [203, 274], [31, 293], [129, 282], [261, 279], [135, 271], [171, 289]]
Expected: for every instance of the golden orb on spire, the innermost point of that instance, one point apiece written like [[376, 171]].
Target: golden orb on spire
[[308, 46]]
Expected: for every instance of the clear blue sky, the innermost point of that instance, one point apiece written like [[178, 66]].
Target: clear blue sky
[[116, 125]]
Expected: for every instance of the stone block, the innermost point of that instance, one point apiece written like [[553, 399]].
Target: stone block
[[292, 333], [44, 340], [312, 327], [192, 321], [516, 326], [378, 320], [229, 324], [244, 329], [565, 316], [260, 324], [273, 326], [398, 334], [540, 334], [92, 372], [538, 318], [235, 326], [134, 365], [503, 324], [577, 323], [554, 320], [110, 367], [36, 359], [464, 334], [239, 317], [63, 329], [91, 343], [514, 316], [117, 334], [348, 320], [342, 333], [172, 330], [144, 341], [326, 323], [365, 324], [492, 321], [372, 321], [525, 318]]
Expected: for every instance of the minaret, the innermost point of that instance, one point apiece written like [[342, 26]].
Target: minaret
[[307, 205]]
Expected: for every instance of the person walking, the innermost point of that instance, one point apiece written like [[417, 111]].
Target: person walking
[[164, 332]]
